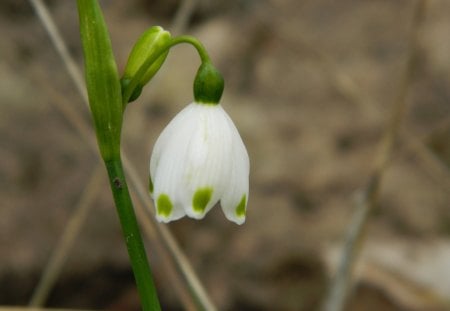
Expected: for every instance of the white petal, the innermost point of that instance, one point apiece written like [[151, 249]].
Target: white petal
[[235, 197], [208, 164], [172, 129], [166, 166]]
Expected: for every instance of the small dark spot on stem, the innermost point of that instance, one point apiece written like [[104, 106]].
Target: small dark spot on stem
[[117, 183]]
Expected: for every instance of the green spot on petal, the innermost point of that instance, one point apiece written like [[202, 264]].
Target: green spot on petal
[[164, 205], [150, 185], [240, 208], [201, 199]]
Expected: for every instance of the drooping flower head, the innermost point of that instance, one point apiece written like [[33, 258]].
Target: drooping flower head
[[200, 159]]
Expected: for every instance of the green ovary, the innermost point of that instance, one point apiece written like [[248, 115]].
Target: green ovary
[[240, 208], [164, 205], [201, 198], [150, 185]]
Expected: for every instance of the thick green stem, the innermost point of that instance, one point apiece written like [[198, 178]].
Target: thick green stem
[[133, 239]]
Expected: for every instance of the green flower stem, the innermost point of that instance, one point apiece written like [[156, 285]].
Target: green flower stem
[[194, 42], [135, 246], [134, 83]]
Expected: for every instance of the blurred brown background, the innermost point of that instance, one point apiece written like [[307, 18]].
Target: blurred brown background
[[309, 84]]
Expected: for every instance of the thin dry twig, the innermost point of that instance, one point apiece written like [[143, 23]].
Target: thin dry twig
[[346, 86], [183, 15], [62, 249], [175, 276], [183, 266], [46, 19], [342, 283], [179, 258]]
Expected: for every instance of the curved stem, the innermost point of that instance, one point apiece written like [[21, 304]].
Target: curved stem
[[133, 239], [195, 43], [341, 285], [204, 57]]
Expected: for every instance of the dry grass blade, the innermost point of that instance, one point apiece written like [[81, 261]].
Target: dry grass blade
[[181, 262], [182, 16], [62, 249], [175, 276], [346, 86], [60, 46], [183, 266], [341, 285]]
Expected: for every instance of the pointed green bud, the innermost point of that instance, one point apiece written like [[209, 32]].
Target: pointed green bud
[[148, 45], [208, 84]]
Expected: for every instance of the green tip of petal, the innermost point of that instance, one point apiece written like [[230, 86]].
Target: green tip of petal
[[240, 208], [150, 185], [201, 198], [164, 205]]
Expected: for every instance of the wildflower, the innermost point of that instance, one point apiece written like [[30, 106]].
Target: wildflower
[[198, 160]]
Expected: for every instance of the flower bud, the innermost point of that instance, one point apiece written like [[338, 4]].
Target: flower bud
[[149, 44]]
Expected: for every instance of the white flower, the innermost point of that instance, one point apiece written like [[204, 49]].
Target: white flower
[[199, 159]]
